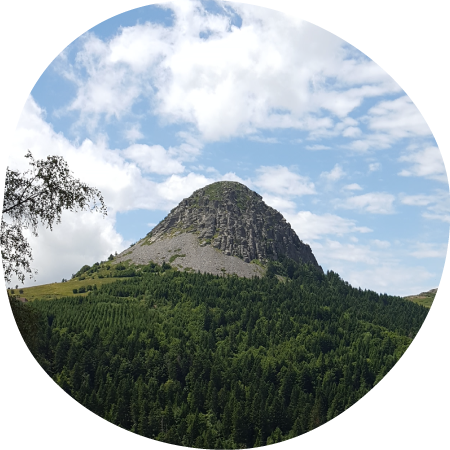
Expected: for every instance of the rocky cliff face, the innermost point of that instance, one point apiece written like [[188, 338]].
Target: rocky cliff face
[[234, 219]]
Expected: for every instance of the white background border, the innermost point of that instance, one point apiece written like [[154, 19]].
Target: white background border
[[410, 407]]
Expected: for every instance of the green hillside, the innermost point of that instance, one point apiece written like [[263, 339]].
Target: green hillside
[[219, 361], [87, 277], [424, 298]]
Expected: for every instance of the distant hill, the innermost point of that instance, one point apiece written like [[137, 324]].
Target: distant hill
[[424, 298]]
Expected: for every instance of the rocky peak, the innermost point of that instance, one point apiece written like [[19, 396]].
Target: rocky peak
[[235, 220]]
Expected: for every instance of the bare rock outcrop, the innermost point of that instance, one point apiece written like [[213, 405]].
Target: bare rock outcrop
[[231, 219]]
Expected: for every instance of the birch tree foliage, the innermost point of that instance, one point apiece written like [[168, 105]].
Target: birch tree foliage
[[36, 197]]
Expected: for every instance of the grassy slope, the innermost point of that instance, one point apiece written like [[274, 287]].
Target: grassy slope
[[57, 290], [424, 299]]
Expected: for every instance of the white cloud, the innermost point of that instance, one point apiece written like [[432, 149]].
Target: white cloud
[[387, 122], [331, 251], [437, 204], [231, 176], [133, 133], [279, 203], [81, 238], [92, 162], [429, 250], [426, 163], [417, 200], [176, 188], [335, 174], [153, 159], [281, 181], [272, 72], [317, 147], [352, 132], [373, 202], [392, 278], [381, 244], [371, 141], [374, 167], [398, 118], [310, 226], [264, 140], [352, 187], [88, 237]]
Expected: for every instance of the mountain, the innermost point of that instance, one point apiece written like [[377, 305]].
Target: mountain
[[221, 228], [205, 361]]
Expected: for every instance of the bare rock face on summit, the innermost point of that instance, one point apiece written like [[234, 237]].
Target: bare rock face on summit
[[228, 219]]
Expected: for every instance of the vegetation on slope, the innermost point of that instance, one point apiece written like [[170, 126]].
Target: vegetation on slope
[[425, 298], [223, 362]]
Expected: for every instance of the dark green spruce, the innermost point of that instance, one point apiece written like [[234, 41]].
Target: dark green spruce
[[211, 361]]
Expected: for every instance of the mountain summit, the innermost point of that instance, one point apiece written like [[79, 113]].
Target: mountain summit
[[221, 228]]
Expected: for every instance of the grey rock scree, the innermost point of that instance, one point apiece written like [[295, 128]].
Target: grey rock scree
[[220, 229]]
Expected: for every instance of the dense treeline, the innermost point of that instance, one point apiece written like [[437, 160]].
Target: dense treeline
[[224, 362]]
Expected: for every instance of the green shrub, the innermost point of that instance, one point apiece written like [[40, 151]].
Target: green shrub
[[82, 289], [82, 270], [75, 291]]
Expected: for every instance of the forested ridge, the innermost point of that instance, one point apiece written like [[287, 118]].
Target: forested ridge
[[220, 361]]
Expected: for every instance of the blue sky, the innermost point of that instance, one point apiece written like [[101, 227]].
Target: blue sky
[[157, 102]]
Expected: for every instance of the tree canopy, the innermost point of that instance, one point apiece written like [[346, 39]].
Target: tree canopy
[[39, 196], [211, 361]]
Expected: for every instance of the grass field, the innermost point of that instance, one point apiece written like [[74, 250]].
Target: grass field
[[57, 290], [424, 298]]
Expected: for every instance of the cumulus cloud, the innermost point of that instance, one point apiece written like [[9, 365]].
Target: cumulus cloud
[[437, 204], [352, 132], [335, 174], [373, 202], [429, 250], [175, 188], [374, 167], [280, 180], [392, 278], [133, 133], [352, 187], [331, 251], [264, 140], [426, 163], [317, 147], [273, 71], [279, 203], [119, 175], [374, 265], [381, 244], [398, 118], [417, 200], [80, 238], [389, 121], [312, 226], [153, 159]]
